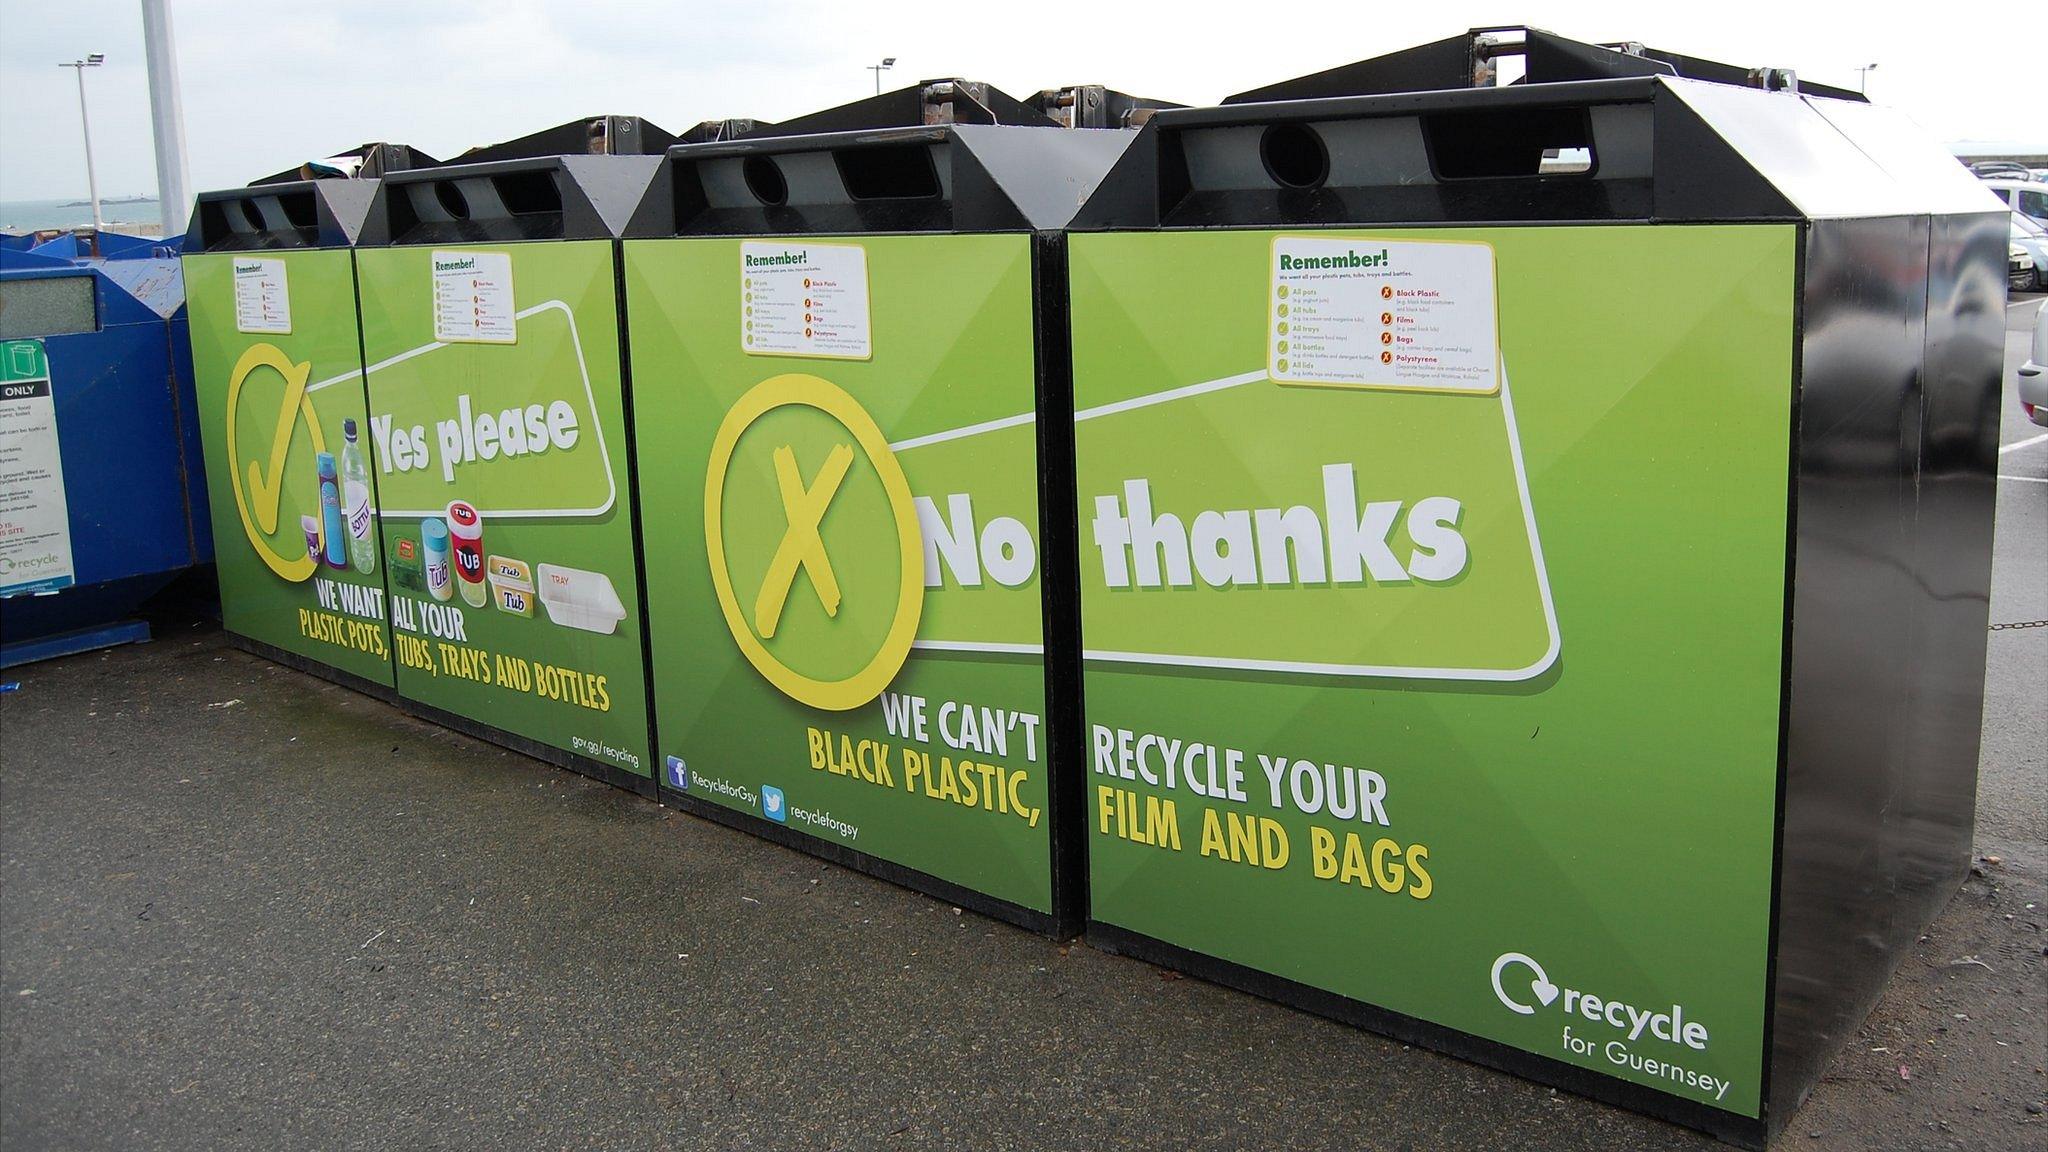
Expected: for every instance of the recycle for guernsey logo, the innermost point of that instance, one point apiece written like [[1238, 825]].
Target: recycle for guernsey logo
[[813, 541], [259, 487], [1539, 983], [1666, 1023]]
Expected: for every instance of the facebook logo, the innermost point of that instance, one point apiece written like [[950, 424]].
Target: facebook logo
[[771, 804], [678, 773]]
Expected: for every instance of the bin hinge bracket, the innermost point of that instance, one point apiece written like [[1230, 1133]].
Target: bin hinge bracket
[[1774, 79]]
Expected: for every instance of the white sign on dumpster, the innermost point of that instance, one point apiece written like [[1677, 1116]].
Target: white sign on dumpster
[[35, 520]]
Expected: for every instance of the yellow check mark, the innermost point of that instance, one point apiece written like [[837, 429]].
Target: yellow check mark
[[265, 489]]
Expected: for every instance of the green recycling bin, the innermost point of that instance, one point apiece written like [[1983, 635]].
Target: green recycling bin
[[1534, 557], [499, 416], [285, 430], [860, 590]]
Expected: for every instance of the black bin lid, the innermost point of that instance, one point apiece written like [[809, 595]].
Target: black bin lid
[[929, 103], [1591, 134], [299, 214], [948, 155], [586, 136], [537, 198], [1096, 106], [950, 178]]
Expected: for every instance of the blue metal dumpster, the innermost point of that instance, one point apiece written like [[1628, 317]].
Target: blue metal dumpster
[[96, 439]]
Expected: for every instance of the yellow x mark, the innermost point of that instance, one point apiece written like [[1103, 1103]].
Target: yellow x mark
[[804, 508]]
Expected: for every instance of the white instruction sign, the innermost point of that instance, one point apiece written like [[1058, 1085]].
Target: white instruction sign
[[1355, 312], [263, 300], [473, 298], [35, 521], [805, 299]]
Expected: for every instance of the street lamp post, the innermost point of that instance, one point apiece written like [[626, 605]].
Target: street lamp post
[[887, 63], [1862, 74], [92, 185]]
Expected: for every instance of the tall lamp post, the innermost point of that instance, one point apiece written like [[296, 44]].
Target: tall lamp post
[[887, 63], [1862, 74], [92, 185]]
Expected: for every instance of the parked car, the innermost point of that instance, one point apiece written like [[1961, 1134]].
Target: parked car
[[2012, 169], [2034, 373], [2027, 197], [2032, 239], [2019, 267]]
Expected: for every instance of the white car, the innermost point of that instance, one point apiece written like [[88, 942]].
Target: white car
[[2032, 239], [2019, 267], [2034, 373], [2029, 198]]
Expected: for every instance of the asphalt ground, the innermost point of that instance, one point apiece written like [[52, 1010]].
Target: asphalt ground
[[241, 908]]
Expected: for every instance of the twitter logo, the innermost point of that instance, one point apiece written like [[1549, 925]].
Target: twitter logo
[[771, 804]]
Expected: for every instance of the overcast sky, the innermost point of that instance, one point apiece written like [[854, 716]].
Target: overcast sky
[[268, 85]]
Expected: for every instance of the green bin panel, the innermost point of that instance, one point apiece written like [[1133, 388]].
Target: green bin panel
[[271, 399], [1501, 752], [818, 664], [520, 416]]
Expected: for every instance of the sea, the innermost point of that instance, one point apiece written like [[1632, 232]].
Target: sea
[[139, 214]]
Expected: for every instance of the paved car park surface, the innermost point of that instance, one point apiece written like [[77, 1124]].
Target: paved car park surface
[[242, 908]]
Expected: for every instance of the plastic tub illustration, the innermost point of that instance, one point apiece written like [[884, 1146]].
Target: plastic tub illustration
[[578, 598], [511, 585]]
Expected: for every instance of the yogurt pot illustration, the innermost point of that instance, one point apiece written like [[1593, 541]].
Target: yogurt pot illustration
[[511, 585], [578, 598]]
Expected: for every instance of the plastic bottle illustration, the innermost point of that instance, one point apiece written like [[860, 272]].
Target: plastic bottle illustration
[[466, 543], [330, 513], [355, 491], [434, 558]]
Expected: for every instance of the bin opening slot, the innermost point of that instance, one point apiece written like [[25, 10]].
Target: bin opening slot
[[888, 172], [765, 180], [1294, 156], [298, 209], [265, 218], [532, 193], [451, 199], [1496, 143]]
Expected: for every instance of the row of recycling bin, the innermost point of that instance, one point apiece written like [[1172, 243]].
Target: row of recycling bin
[[1308, 543]]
